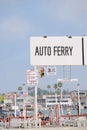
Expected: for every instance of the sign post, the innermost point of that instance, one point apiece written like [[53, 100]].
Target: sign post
[[32, 79], [36, 109]]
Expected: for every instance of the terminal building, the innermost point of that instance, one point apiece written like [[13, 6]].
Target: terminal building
[[52, 100]]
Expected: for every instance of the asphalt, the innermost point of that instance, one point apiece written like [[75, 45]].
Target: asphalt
[[48, 128]]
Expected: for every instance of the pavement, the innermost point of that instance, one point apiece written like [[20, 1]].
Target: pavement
[[48, 128]]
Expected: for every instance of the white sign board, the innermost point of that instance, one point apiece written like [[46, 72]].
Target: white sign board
[[32, 77], [15, 107], [56, 51]]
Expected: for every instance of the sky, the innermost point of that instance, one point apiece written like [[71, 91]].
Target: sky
[[22, 19]]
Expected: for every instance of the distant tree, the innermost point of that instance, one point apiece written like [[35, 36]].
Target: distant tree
[[55, 87], [29, 88], [65, 92], [58, 90], [49, 87], [60, 84], [20, 88], [1, 98]]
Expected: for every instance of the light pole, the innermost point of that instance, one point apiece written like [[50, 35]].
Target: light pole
[[24, 106], [60, 86], [36, 109], [36, 86], [15, 105], [78, 104], [55, 87], [67, 80]]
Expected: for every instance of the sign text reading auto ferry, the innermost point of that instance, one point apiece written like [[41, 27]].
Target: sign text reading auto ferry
[[55, 50]]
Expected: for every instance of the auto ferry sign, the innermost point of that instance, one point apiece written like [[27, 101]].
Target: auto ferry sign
[[57, 51]]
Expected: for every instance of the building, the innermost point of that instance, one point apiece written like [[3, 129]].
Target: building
[[52, 100], [28, 101], [9, 100], [82, 97]]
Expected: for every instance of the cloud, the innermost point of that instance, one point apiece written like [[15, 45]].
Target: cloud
[[15, 27], [68, 10], [23, 22]]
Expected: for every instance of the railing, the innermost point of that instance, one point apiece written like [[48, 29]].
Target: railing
[[73, 120]]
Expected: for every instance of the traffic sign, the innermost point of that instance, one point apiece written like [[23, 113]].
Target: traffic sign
[[51, 70], [32, 77]]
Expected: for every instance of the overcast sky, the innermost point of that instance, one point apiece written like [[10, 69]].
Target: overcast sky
[[21, 19]]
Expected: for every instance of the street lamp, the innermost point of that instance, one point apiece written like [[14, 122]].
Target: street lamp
[[66, 80]]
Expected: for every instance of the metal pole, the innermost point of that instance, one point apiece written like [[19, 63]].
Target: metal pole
[[56, 97], [61, 102], [24, 106], [78, 100], [36, 109], [36, 106], [15, 105]]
